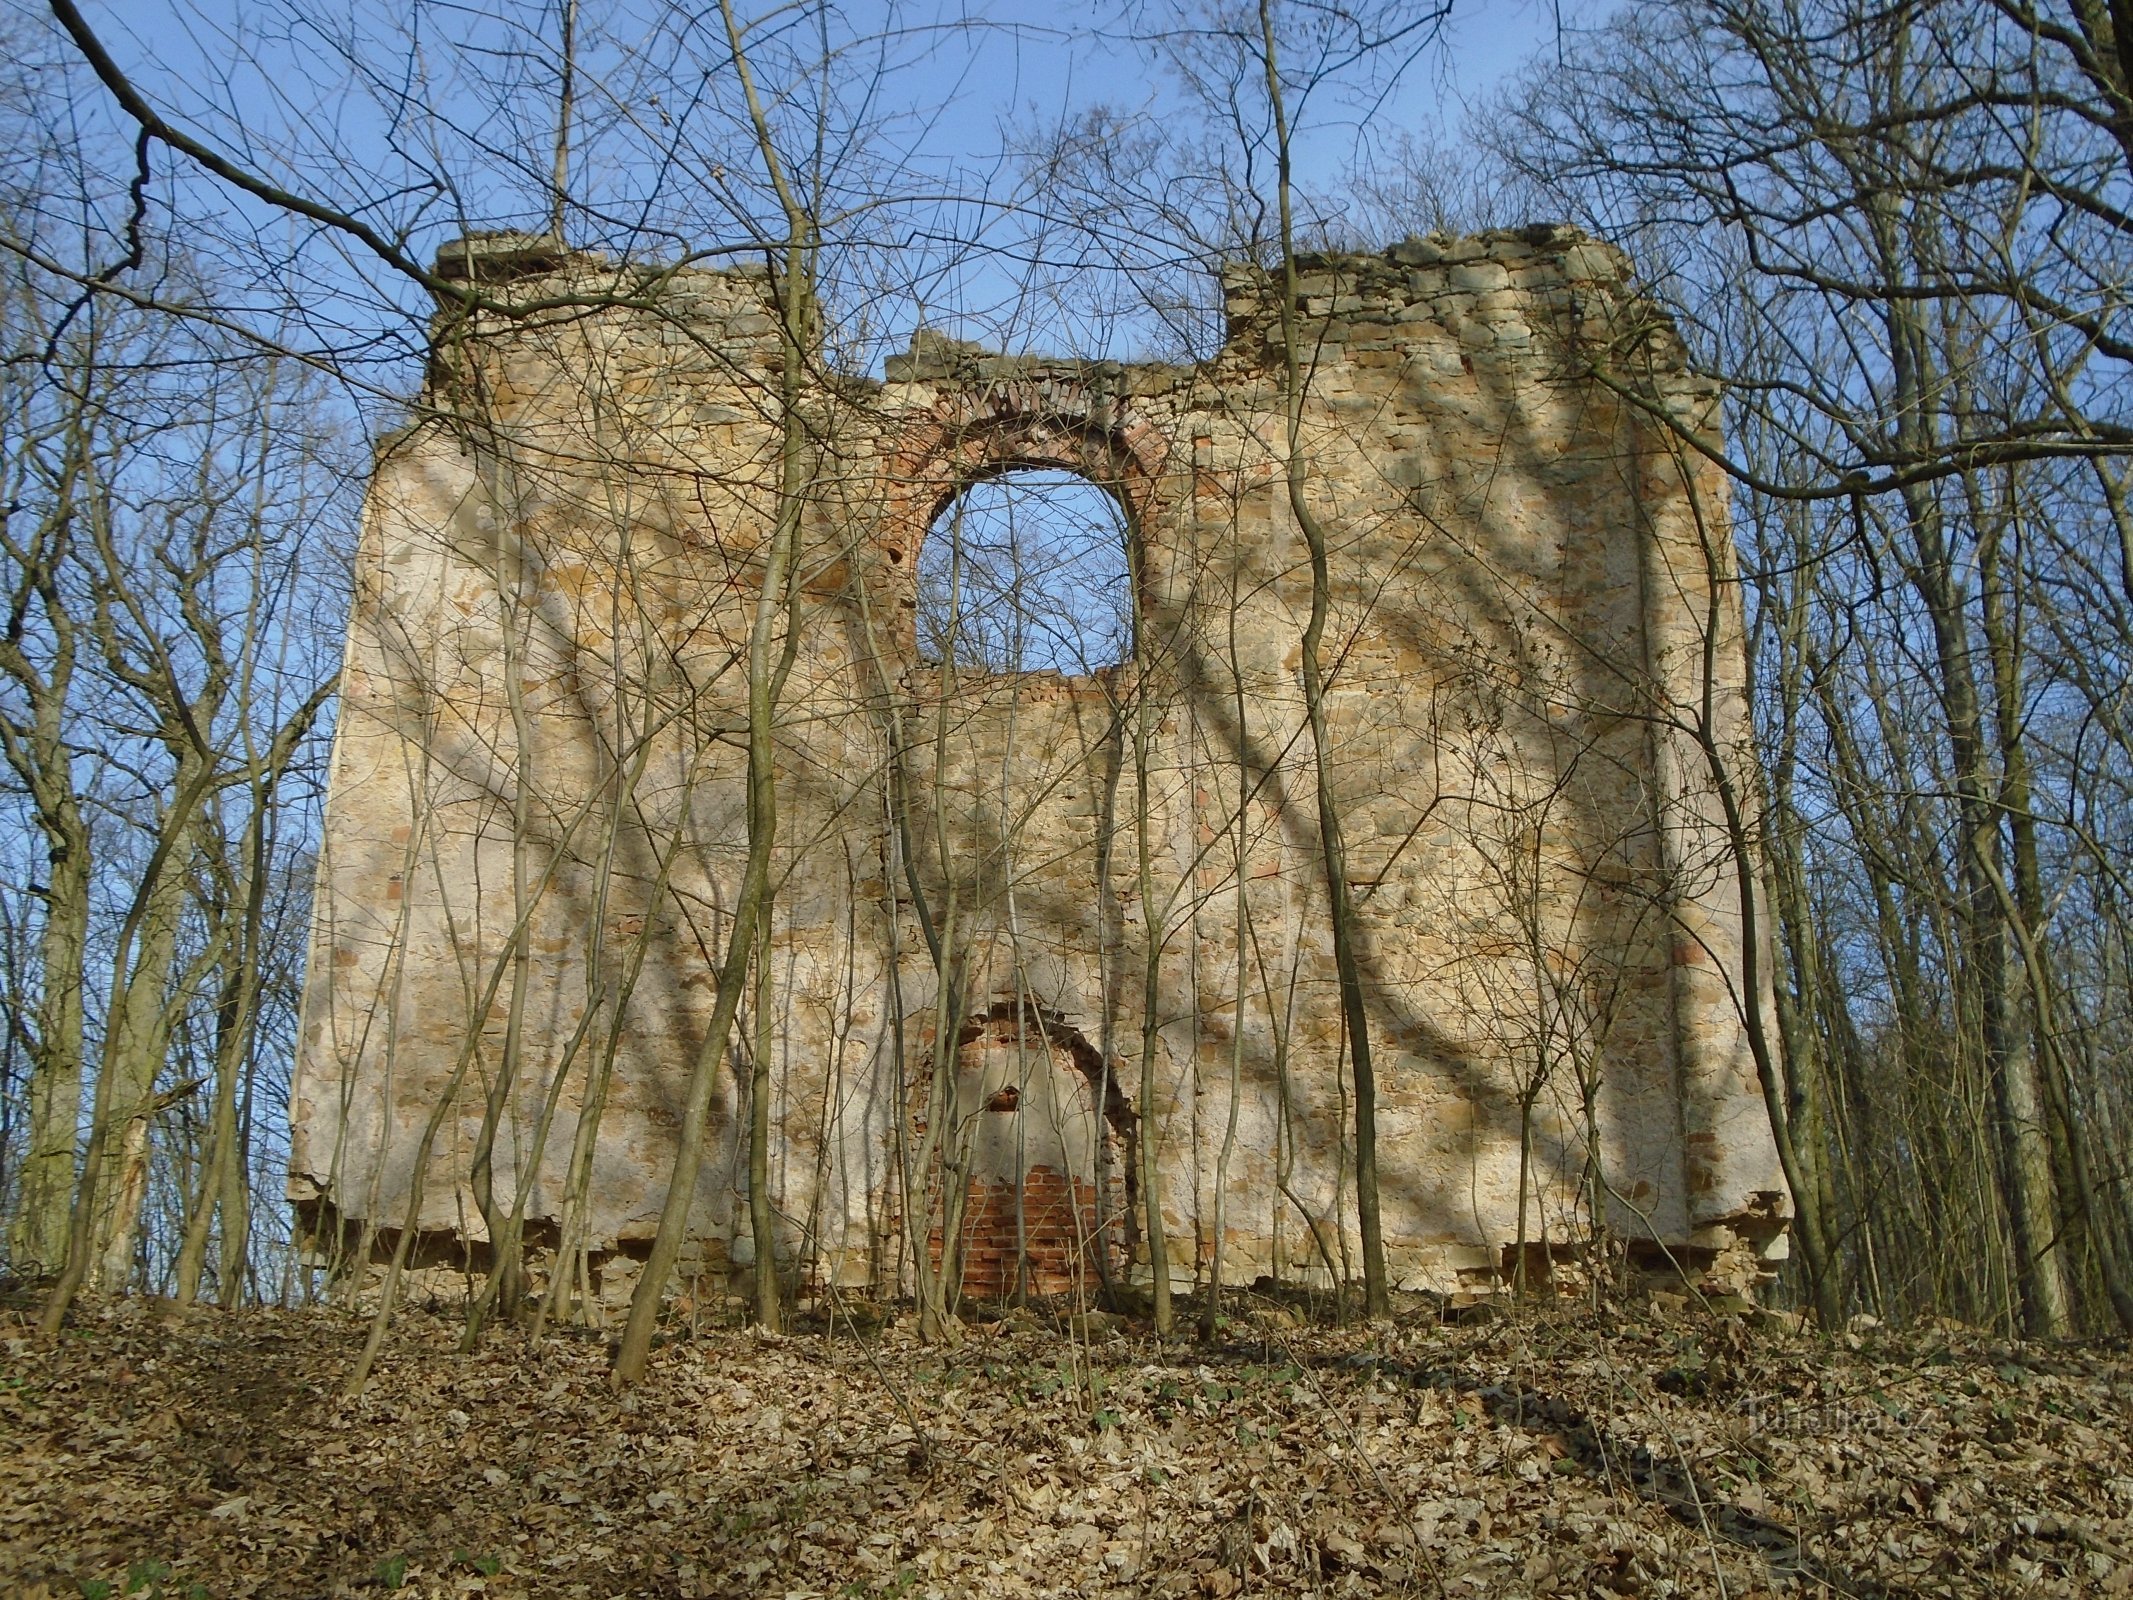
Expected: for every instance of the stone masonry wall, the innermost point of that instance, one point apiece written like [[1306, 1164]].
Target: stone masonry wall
[[535, 828]]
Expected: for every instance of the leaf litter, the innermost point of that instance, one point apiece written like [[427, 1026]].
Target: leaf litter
[[1635, 1452]]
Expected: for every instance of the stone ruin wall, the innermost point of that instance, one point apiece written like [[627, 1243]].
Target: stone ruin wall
[[541, 726]]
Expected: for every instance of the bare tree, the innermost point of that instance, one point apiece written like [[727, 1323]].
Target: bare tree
[[1917, 311]]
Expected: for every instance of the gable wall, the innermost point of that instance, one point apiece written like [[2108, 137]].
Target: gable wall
[[542, 728]]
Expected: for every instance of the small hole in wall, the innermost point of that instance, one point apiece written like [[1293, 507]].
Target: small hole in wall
[[1026, 572]]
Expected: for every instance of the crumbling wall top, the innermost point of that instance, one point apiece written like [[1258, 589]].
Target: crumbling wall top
[[1432, 278]]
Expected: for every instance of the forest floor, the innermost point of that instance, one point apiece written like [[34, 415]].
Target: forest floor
[[1635, 1451]]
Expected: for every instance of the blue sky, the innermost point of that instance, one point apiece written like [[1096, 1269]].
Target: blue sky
[[972, 65], [342, 101]]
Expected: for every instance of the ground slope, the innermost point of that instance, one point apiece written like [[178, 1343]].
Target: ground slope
[[1635, 1452]]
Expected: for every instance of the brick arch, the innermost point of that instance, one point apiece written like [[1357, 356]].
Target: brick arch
[[969, 435]]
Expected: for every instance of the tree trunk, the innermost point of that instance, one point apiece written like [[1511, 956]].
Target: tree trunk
[[1355, 1012], [762, 1217], [39, 1240], [795, 287], [135, 1047]]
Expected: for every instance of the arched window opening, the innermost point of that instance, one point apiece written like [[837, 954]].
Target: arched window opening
[[1027, 572]]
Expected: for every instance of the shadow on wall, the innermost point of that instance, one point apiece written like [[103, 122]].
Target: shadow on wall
[[559, 711]]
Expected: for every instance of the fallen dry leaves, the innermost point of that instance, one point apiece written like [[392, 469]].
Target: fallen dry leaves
[[1638, 1452]]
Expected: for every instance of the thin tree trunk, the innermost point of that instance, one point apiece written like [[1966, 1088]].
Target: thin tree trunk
[[1377, 1298], [81, 1232], [38, 750], [47, 1173], [2025, 919], [135, 1047], [765, 677], [221, 1171], [2025, 1149], [1153, 918], [504, 1286], [1699, 722], [762, 1217]]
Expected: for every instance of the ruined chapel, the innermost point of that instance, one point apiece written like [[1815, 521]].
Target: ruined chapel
[[1007, 904]]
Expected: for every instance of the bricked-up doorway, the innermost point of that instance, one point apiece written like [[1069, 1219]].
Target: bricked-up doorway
[[1045, 1199]]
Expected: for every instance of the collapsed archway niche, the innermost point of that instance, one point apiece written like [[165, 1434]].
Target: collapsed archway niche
[[1032, 1192]]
